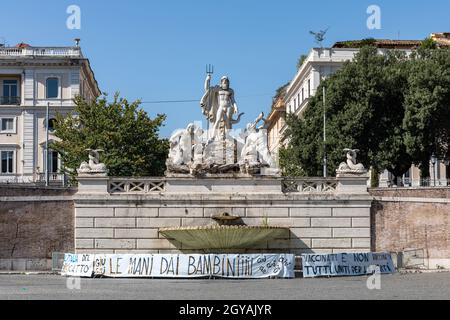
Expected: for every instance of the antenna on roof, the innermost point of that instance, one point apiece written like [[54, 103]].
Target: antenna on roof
[[319, 36], [77, 42]]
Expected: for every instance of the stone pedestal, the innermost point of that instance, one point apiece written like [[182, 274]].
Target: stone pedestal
[[92, 183], [352, 183], [221, 152], [223, 183]]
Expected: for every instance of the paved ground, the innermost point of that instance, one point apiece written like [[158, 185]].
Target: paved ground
[[398, 286]]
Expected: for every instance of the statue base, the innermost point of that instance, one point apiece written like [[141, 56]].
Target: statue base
[[222, 183]]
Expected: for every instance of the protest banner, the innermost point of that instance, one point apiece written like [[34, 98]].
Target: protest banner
[[245, 266], [345, 264], [78, 265]]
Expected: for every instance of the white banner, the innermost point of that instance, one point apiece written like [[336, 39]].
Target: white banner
[[191, 265], [345, 264], [78, 265]]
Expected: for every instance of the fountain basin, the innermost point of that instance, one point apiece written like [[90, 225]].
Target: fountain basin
[[222, 236]]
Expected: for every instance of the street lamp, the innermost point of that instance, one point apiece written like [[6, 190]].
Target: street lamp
[[433, 162], [324, 134], [46, 144]]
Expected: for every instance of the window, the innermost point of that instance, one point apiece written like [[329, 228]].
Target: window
[[52, 86], [7, 162], [303, 94], [7, 125], [10, 92], [53, 161], [51, 124], [309, 88]]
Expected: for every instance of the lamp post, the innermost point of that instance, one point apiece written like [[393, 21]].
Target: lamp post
[[46, 145], [433, 162], [324, 135]]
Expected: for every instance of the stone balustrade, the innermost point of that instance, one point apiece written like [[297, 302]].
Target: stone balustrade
[[134, 185], [41, 52], [304, 185], [118, 185]]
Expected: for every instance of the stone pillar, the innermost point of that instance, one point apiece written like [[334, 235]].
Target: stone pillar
[[92, 183], [384, 179], [352, 183]]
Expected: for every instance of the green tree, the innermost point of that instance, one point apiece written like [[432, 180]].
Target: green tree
[[427, 106], [288, 163], [428, 43], [301, 60], [128, 136], [364, 107]]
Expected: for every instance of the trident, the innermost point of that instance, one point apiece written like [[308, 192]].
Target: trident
[[209, 71]]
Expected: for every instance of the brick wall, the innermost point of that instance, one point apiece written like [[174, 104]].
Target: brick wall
[[34, 222], [413, 218]]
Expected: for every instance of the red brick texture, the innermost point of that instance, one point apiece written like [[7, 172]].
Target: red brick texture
[[33, 229], [403, 224]]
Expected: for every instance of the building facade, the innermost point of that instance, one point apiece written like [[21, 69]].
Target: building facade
[[32, 78], [322, 62], [275, 122]]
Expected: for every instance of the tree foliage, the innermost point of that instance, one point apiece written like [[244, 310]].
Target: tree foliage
[[428, 43], [301, 60], [364, 108], [394, 108], [427, 106], [128, 136]]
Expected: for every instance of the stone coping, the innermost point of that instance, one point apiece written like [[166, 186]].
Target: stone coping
[[218, 227], [217, 197]]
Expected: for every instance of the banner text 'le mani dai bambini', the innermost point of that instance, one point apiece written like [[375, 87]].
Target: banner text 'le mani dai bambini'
[[179, 265]]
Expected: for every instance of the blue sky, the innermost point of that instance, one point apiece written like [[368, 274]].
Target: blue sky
[[157, 50]]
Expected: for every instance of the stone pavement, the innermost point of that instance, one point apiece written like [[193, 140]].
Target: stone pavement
[[398, 286]]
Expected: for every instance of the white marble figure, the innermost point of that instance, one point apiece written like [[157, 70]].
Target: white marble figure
[[255, 152], [197, 146], [219, 106], [350, 166], [93, 166], [220, 151], [185, 147]]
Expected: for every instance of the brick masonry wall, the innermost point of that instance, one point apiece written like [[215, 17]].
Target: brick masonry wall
[[34, 222], [131, 224], [430, 193], [417, 218]]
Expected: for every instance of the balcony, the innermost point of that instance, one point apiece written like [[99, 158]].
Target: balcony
[[54, 179], [10, 101], [65, 52]]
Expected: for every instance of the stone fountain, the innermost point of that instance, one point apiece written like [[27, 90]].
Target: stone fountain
[[226, 234], [220, 153], [216, 171]]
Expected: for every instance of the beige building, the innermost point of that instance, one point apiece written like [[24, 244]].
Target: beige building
[[322, 62], [31, 78], [276, 122]]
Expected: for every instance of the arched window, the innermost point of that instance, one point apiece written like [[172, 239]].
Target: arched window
[[52, 88], [51, 124]]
